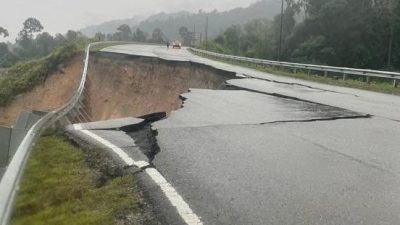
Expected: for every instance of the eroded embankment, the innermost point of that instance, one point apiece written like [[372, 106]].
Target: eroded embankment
[[121, 86], [53, 93]]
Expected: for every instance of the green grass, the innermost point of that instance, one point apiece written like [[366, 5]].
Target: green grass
[[57, 188], [376, 84], [24, 76]]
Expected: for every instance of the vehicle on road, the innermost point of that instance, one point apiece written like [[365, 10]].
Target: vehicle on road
[[176, 44]]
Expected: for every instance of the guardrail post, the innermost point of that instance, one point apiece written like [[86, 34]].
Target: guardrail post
[[5, 137], [368, 79], [295, 70], [344, 76], [395, 82], [325, 73], [309, 72]]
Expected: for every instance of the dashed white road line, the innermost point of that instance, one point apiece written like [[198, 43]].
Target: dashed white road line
[[184, 210]]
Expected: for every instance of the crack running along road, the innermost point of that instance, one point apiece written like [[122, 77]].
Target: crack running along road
[[279, 173]]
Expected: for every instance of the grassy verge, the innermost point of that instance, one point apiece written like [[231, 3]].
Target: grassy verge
[[378, 85], [58, 188], [24, 76]]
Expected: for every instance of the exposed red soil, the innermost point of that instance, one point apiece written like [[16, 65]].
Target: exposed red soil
[[118, 86], [135, 86], [57, 90]]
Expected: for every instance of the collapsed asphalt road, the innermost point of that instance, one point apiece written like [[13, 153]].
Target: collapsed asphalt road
[[330, 168], [264, 152]]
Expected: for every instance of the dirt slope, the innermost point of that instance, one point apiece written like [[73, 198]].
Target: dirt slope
[[57, 90], [121, 86]]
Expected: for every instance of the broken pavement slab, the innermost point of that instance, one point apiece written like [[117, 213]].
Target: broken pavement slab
[[204, 107], [106, 135], [389, 106], [288, 173], [118, 144], [114, 124]]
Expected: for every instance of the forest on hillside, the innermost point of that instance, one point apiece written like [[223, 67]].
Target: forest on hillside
[[350, 33], [33, 42], [170, 23]]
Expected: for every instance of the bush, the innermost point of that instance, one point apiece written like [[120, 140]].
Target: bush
[[214, 47], [23, 77]]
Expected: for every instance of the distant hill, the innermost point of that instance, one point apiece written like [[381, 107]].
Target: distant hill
[[170, 23], [218, 21], [109, 26]]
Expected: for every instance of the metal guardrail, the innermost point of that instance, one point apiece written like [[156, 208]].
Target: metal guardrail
[[10, 180], [308, 67]]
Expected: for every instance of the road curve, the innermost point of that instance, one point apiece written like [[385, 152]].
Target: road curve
[[277, 150]]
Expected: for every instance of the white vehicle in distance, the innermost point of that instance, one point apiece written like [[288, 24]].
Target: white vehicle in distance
[[176, 44]]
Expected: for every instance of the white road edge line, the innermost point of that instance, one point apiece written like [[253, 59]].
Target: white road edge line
[[176, 200], [77, 126], [128, 160]]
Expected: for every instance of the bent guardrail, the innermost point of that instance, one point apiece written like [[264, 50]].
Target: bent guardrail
[[308, 67], [10, 180]]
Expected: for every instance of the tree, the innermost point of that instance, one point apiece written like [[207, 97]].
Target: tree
[[157, 36], [72, 36], [44, 43], [231, 39], [7, 58], [3, 32], [32, 25], [3, 50], [256, 40], [351, 33], [185, 35], [117, 36], [139, 35], [125, 32], [25, 36], [59, 40], [100, 36]]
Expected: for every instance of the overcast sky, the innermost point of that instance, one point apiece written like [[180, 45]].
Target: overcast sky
[[57, 16]]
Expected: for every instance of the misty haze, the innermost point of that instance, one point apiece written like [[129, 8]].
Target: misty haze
[[185, 112]]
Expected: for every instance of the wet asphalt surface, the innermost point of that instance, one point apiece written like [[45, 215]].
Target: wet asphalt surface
[[315, 154], [317, 165]]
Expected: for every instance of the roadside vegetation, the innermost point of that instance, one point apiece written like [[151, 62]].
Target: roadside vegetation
[[58, 188], [345, 33], [24, 76], [33, 42], [33, 57]]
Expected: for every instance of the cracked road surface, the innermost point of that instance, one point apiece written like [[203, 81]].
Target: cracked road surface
[[235, 166], [283, 152]]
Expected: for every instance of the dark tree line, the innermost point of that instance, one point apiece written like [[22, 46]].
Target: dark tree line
[[125, 33], [352, 33], [33, 43]]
